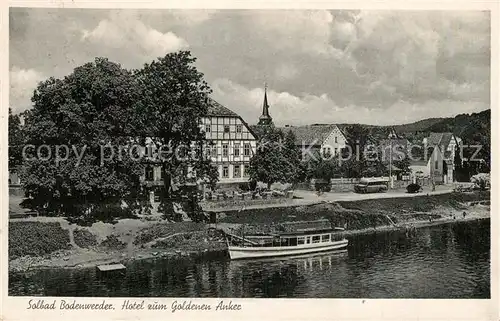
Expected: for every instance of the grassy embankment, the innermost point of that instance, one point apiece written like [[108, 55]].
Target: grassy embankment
[[55, 242]]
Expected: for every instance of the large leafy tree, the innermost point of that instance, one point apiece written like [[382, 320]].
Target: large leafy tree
[[296, 168], [270, 163], [74, 117], [363, 157], [324, 168], [174, 97]]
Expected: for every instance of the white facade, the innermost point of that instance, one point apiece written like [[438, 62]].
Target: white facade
[[334, 142], [446, 153], [233, 145]]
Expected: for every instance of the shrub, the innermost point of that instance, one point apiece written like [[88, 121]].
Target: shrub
[[252, 185], [413, 188], [112, 242], [482, 180], [36, 238], [245, 187], [84, 238], [160, 230]]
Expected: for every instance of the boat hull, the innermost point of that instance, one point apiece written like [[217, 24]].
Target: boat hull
[[236, 252]]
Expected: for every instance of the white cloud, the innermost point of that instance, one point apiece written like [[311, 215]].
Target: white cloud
[[286, 71], [286, 108], [192, 17], [364, 59], [304, 30], [22, 84], [124, 31]]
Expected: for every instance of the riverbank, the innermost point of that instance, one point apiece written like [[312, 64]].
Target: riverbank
[[44, 242]]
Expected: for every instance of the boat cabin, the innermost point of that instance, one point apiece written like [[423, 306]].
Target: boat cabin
[[287, 239]]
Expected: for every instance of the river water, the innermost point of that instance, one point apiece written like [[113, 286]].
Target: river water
[[446, 261]]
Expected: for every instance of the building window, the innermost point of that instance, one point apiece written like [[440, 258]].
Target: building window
[[226, 128], [236, 150], [225, 171], [336, 151], [436, 164], [336, 139], [208, 150], [214, 151], [239, 128], [150, 174], [245, 170], [161, 173], [246, 150], [208, 128], [225, 150], [237, 171]]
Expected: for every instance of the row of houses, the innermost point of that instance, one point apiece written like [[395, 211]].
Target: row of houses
[[234, 143], [437, 163]]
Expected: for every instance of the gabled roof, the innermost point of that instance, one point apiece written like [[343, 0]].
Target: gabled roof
[[216, 109], [311, 134], [439, 139]]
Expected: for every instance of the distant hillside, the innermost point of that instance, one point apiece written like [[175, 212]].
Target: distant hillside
[[463, 124], [419, 126]]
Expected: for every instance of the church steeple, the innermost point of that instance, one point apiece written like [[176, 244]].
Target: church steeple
[[265, 118]]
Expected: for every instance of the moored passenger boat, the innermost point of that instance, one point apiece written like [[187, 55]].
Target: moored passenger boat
[[284, 244]]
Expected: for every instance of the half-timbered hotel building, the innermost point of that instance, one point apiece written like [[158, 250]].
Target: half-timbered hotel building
[[232, 145]]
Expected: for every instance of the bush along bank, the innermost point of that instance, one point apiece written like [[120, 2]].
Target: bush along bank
[[364, 214], [64, 245], [36, 239]]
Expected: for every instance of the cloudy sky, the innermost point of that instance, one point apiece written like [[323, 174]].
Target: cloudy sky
[[373, 67]]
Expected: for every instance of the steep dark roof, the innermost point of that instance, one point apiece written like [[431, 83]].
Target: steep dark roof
[[216, 109], [439, 139], [311, 133]]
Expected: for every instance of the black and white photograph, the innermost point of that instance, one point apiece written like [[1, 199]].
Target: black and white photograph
[[248, 153]]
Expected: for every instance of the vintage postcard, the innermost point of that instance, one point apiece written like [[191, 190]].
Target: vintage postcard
[[213, 161]]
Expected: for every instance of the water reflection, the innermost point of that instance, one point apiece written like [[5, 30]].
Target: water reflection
[[439, 262]]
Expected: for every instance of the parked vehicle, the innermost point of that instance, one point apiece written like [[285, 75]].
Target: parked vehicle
[[372, 185], [413, 188]]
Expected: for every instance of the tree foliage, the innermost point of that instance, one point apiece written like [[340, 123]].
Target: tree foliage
[[361, 158], [277, 159], [324, 167], [91, 107], [174, 97], [105, 115]]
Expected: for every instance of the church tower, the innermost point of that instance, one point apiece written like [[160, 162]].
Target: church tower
[[265, 119]]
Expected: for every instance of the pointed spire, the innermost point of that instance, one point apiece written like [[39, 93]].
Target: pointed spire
[[265, 105], [265, 118]]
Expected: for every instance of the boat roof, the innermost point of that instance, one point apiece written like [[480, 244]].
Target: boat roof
[[373, 179], [294, 233]]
